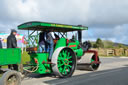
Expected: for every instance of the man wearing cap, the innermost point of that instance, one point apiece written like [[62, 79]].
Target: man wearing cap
[[11, 40], [12, 43]]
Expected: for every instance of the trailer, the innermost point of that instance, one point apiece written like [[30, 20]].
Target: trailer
[[68, 54], [10, 56]]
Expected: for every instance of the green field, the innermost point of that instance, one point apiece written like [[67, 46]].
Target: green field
[[25, 58], [0, 75]]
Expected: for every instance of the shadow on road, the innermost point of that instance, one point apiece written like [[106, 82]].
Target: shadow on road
[[34, 75], [94, 78]]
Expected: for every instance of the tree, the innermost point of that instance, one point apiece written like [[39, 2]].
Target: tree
[[120, 46], [98, 44]]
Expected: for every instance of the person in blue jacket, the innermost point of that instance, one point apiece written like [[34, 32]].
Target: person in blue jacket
[[50, 42]]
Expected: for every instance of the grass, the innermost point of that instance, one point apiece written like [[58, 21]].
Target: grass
[[0, 75], [25, 57]]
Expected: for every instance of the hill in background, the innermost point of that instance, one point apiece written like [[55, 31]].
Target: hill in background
[[107, 44]]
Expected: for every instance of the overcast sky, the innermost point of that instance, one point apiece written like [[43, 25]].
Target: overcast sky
[[106, 19]]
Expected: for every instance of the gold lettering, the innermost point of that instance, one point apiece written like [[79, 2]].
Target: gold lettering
[[53, 24]]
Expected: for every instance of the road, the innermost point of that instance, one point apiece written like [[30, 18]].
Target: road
[[113, 71]]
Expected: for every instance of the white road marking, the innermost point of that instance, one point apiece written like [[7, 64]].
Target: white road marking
[[107, 57], [123, 57], [115, 57]]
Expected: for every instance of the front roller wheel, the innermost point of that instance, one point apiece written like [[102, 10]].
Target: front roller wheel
[[94, 66], [88, 62], [64, 62]]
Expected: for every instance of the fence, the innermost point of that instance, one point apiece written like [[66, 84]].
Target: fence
[[112, 52]]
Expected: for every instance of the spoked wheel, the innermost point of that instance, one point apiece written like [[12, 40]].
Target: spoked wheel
[[11, 78], [64, 62]]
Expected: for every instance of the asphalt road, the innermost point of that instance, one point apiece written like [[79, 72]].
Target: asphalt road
[[113, 71]]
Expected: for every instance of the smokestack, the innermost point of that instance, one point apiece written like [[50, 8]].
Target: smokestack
[[80, 34]]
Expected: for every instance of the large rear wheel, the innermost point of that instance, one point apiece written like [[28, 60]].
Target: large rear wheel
[[64, 62]]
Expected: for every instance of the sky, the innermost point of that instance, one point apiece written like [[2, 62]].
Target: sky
[[106, 19]]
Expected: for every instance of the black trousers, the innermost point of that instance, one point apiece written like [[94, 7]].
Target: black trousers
[[13, 67]]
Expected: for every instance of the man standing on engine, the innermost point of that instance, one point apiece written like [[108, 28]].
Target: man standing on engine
[[50, 42]]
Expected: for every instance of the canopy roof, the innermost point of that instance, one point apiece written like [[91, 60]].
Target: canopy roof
[[44, 26]]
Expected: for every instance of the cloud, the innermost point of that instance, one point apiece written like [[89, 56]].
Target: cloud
[[70, 11], [106, 19], [116, 34], [15, 11], [100, 13], [108, 12]]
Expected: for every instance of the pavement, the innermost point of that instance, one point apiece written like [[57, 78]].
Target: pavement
[[112, 71]]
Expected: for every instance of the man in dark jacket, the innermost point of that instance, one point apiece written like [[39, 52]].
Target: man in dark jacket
[[12, 43], [11, 40], [42, 42]]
